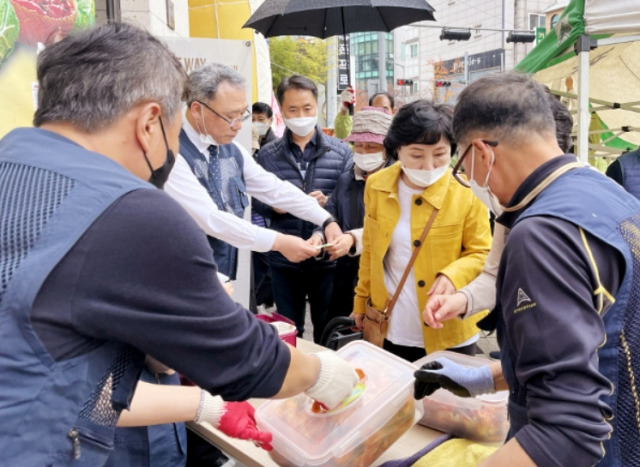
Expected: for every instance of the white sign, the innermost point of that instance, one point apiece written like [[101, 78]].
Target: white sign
[[194, 53]]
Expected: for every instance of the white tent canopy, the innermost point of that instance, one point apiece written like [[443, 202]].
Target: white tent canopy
[[603, 73], [611, 17]]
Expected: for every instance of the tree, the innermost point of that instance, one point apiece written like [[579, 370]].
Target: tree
[[298, 55]]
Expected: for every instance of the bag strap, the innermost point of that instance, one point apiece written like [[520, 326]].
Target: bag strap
[[412, 260]]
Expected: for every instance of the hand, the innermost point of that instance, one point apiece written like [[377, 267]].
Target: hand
[[359, 320], [235, 419], [228, 287], [294, 248], [341, 246], [463, 381], [442, 308], [442, 286], [239, 421], [315, 240], [347, 98], [332, 232], [320, 197], [335, 382]]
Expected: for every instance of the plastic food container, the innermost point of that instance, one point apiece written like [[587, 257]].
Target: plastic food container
[[355, 435], [286, 328], [482, 418]]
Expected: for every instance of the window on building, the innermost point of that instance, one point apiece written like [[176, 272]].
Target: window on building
[[554, 20], [536, 21], [413, 50]]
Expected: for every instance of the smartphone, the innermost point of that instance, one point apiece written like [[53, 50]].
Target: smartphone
[[223, 278]]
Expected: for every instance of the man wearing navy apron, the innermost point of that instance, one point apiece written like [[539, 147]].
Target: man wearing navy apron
[[568, 292]]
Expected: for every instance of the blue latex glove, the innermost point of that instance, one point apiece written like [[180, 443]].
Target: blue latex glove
[[463, 381]]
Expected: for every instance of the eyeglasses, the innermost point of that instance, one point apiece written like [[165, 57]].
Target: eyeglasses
[[233, 122], [456, 168]]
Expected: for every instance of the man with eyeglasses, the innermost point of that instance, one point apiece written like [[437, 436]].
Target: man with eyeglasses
[[213, 176], [567, 298]]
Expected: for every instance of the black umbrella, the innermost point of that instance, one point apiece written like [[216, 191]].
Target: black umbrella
[[326, 18]]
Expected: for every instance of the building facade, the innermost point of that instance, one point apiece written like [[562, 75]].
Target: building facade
[[440, 69]]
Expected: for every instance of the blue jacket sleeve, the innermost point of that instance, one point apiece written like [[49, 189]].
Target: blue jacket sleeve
[[553, 331]]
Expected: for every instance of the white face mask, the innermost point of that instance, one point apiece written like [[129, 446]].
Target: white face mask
[[369, 162], [483, 192], [262, 127], [301, 126], [205, 137], [424, 178]]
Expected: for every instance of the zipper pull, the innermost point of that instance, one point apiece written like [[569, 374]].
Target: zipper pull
[[73, 434]]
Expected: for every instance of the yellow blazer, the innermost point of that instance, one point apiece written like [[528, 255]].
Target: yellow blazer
[[456, 246]]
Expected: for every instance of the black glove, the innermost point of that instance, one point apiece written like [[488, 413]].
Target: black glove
[[463, 381]]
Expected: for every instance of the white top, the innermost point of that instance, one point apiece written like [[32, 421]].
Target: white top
[[405, 325], [481, 292], [184, 187]]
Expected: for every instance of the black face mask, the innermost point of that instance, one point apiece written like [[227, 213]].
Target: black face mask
[[160, 175]]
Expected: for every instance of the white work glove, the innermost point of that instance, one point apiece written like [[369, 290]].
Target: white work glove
[[336, 380], [347, 97]]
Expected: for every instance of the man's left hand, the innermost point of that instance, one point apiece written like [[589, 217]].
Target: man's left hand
[[332, 232], [320, 197]]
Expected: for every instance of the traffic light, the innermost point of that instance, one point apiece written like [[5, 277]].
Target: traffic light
[[404, 82], [443, 84], [455, 34], [521, 36]]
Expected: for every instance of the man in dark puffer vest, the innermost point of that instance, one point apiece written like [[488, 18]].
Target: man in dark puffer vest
[[313, 162], [626, 171]]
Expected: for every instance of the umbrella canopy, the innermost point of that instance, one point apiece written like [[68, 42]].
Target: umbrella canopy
[[326, 18]]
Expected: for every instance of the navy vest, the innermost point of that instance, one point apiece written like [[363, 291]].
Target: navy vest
[[54, 412], [630, 166], [585, 198], [233, 199]]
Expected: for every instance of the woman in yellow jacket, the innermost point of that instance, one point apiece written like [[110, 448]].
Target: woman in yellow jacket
[[398, 202]]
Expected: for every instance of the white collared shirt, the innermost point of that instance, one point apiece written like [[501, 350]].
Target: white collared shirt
[[184, 187]]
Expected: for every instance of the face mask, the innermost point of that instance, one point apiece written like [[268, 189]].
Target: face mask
[[262, 127], [160, 175], [301, 126], [424, 178], [369, 162], [483, 192], [206, 138]]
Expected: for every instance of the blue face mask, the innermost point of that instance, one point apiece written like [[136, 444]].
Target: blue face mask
[[160, 175]]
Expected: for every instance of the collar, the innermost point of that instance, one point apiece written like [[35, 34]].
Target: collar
[[194, 136], [538, 176], [386, 180], [313, 140]]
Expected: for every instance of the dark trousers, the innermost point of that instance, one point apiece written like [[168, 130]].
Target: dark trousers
[[291, 286], [262, 290], [411, 354], [344, 284]]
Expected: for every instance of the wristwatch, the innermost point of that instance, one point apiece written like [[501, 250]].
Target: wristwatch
[[328, 221]]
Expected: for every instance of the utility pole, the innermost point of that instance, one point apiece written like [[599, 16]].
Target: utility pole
[[382, 61]]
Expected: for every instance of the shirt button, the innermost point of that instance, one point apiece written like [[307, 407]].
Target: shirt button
[[421, 283], [418, 201], [416, 243]]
